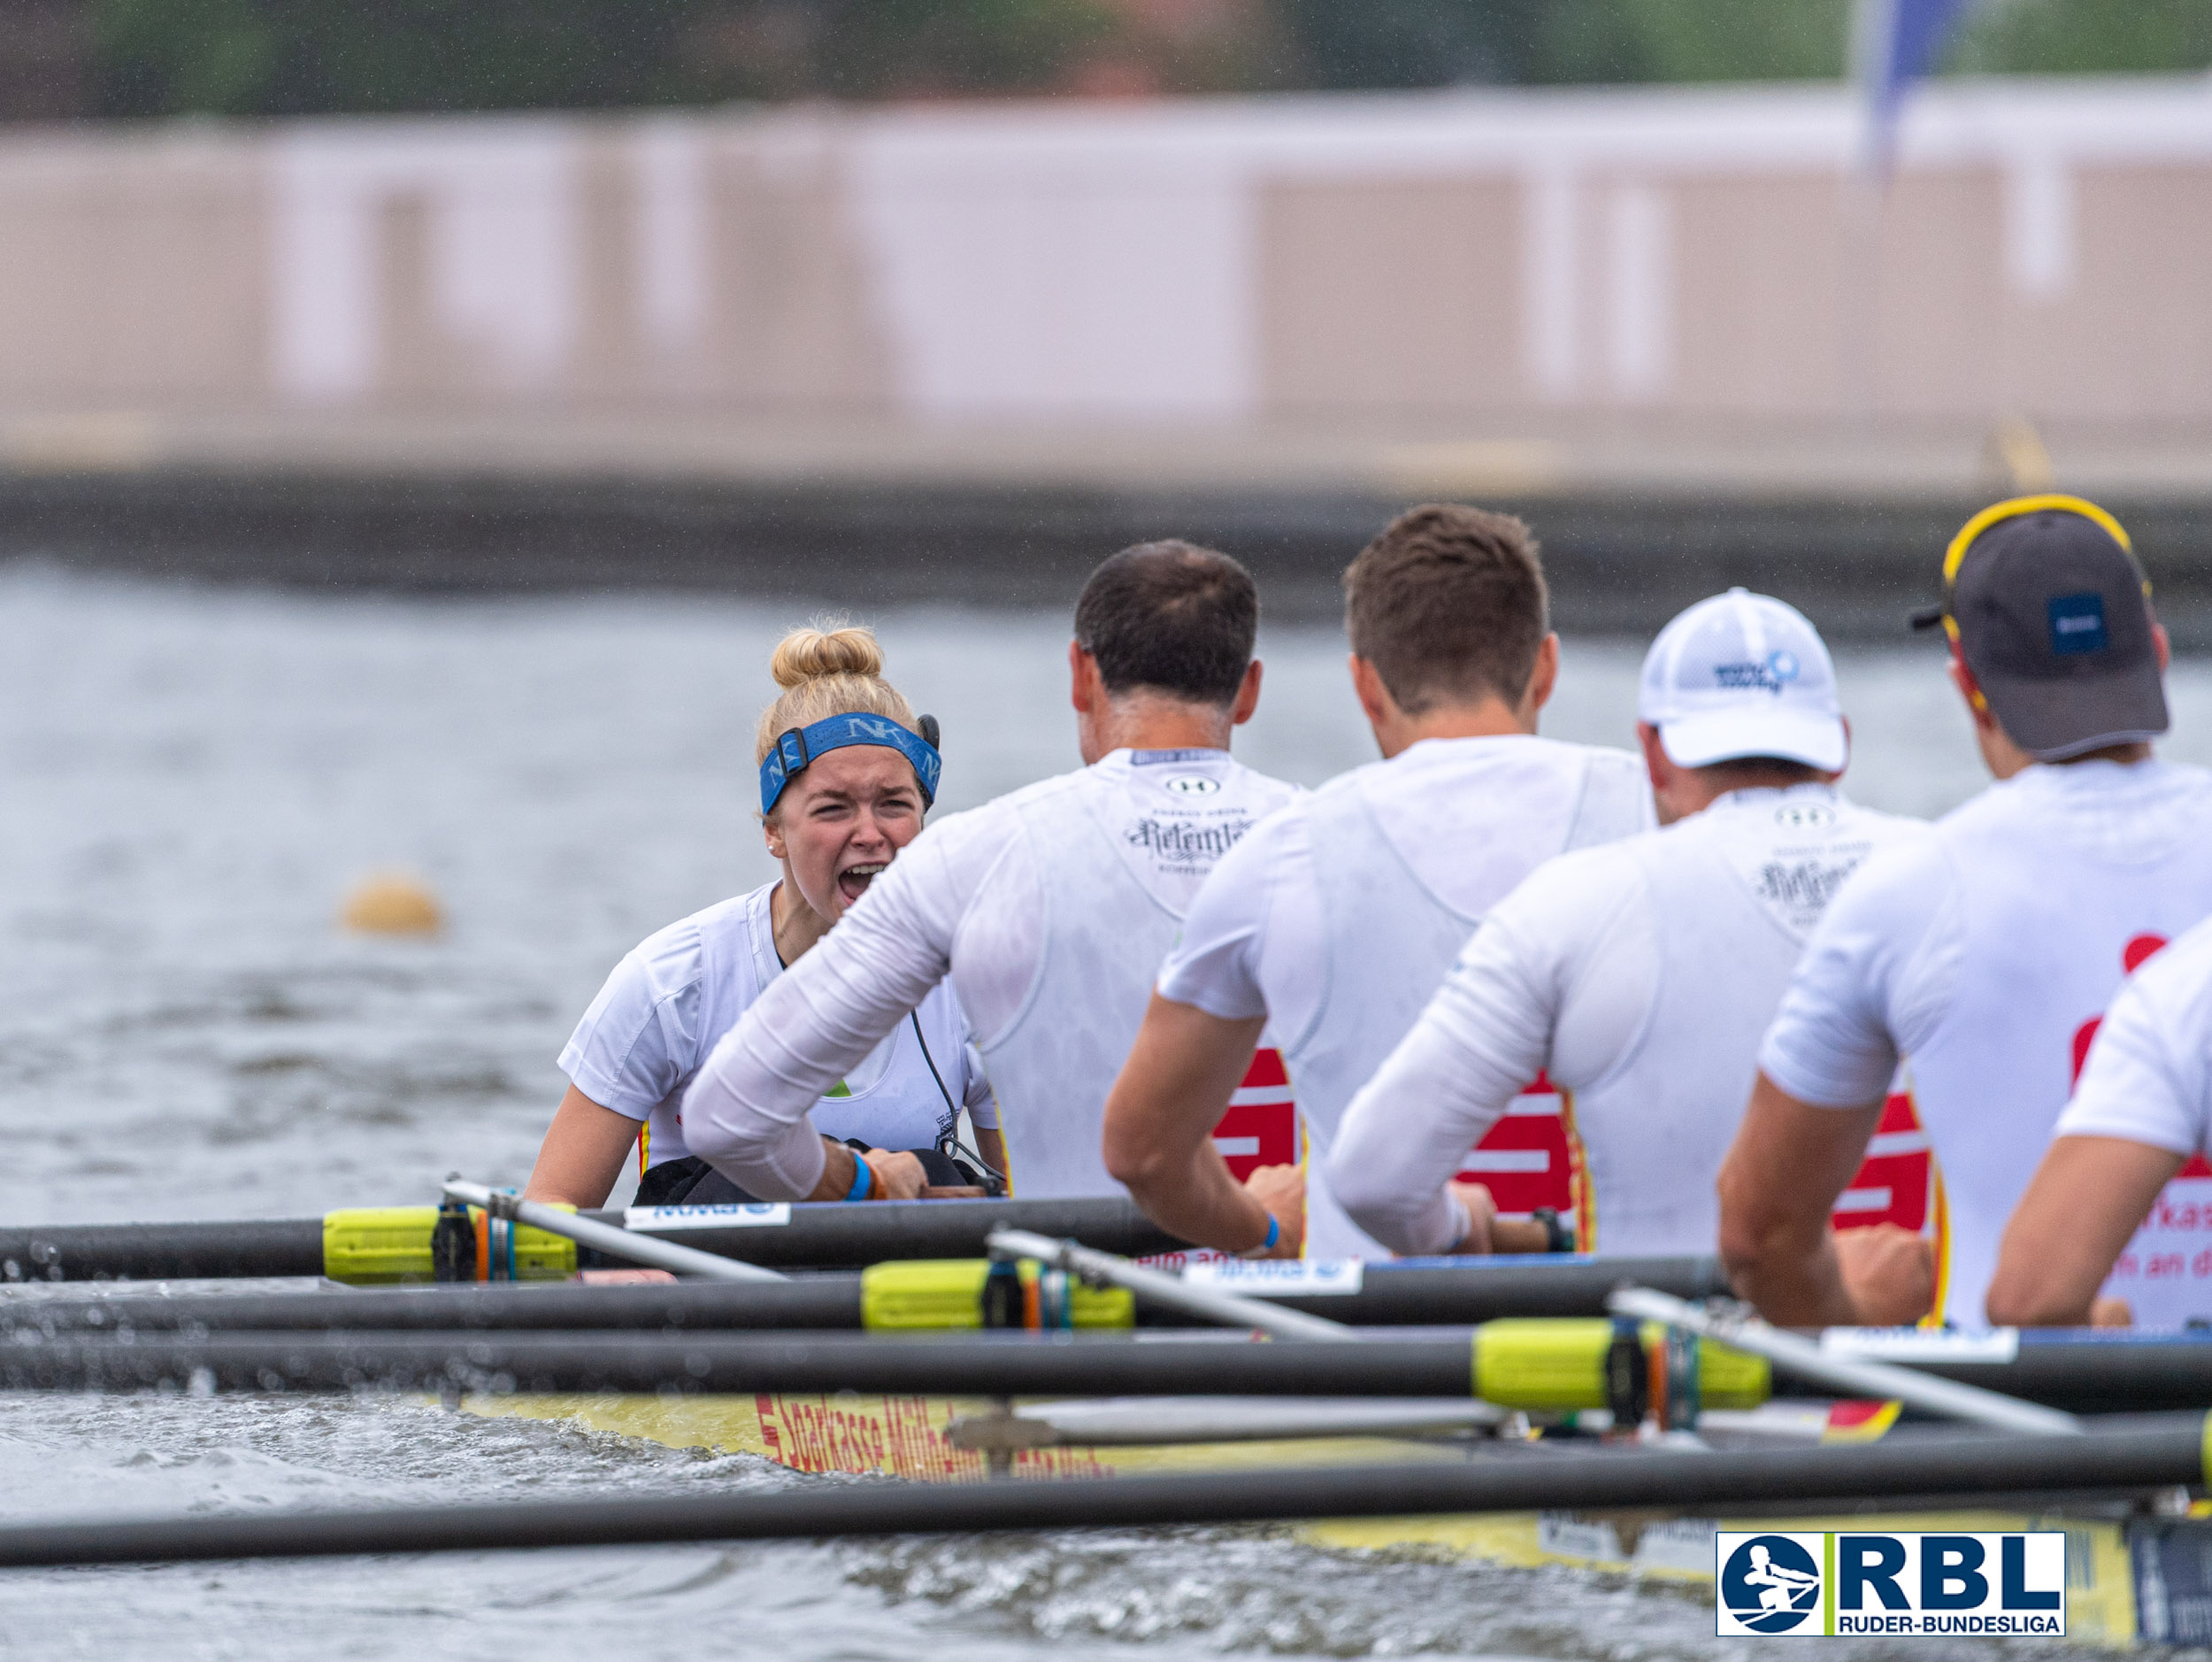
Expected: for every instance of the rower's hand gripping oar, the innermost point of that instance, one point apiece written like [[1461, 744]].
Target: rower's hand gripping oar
[[1170, 1291], [1802, 1357], [639, 1249]]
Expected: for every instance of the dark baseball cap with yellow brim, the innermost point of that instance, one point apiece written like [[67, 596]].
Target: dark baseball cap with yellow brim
[[2045, 601]]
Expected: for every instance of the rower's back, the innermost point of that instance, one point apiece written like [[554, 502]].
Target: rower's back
[[1114, 854], [1985, 955], [1674, 949], [1338, 918], [1106, 860]]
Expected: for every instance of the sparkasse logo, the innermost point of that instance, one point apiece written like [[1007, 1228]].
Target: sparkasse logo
[[1891, 1582]]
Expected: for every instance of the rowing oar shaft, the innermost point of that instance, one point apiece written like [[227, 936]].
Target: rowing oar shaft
[[2088, 1378], [979, 1365], [820, 1302], [1849, 1376], [636, 1247], [1392, 1294], [1162, 1290], [2145, 1454], [153, 1251], [824, 1236]]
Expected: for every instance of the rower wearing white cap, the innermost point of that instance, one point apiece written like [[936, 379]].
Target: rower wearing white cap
[[1639, 976], [1984, 954], [1335, 919], [1051, 907]]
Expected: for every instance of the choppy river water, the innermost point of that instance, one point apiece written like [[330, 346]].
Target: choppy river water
[[190, 782]]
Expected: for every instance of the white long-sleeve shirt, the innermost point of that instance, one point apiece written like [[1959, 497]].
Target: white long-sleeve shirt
[[967, 897], [1566, 978]]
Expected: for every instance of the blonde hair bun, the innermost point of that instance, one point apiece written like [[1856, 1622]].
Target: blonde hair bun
[[814, 653], [831, 668]]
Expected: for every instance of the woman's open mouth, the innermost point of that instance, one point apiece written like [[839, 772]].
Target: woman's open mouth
[[853, 882]]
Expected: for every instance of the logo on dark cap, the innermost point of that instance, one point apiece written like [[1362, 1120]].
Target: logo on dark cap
[[2076, 623]]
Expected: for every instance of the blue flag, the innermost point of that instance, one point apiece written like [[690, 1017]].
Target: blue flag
[[1895, 42]]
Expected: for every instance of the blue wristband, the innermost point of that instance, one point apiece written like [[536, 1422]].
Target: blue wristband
[[864, 1178], [1274, 1234]]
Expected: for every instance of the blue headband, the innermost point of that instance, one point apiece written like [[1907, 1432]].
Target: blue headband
[[795, 747]]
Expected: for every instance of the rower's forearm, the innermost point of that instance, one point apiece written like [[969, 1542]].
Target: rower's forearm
[[990, 1143], [792, 1162], [1518, 1235], [745, 1111], [1198, 1202], [2088, 1197], [1405, 1222], [839, 1167], [1393, 1160], [1795, 1286]]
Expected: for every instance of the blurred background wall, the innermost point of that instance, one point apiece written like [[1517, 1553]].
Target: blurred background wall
[[1490, 256], [293, 278]]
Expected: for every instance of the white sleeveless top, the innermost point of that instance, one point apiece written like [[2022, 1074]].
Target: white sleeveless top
[[1117, 854], [669, 1001], [1987, 956], [1345, 919]]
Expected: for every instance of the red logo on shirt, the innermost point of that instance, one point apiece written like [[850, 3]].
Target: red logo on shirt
[[2133, 955], [1526, 1160], [1260, 1127], [1892, 1184]]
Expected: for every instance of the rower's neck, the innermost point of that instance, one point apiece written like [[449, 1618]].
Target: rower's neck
[[1491, 718], [1146, 720], [795, 925]]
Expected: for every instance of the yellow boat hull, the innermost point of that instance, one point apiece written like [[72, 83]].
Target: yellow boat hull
[[904, 1436]]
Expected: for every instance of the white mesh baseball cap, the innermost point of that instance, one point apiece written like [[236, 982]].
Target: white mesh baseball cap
[[1743, 675]]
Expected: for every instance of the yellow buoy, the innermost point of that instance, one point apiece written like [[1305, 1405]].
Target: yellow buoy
[[392, 904]]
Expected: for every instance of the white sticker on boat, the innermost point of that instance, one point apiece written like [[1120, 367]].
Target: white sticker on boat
[[1922, 1344], [758, 1214], [1276, 1278]]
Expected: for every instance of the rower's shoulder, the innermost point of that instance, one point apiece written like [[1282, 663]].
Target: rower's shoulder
[[1264, 792], [1910, 873], [2182, 778], [675, 955], [1603, 874], [1879, 825], [996, 816]]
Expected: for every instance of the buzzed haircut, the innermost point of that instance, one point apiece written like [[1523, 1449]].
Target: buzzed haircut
[[1448, 605], [1170, 617]]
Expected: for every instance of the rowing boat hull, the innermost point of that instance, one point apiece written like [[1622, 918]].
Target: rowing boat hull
[[904, 1436]]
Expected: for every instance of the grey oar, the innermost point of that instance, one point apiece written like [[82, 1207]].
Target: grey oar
[[2124, 1458], [1807, 1361], [1162, 1421], [639, 1249], [1170, 1291]]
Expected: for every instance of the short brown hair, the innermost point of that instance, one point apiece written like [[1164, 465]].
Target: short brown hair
[[1172, 617], [1449, 604]]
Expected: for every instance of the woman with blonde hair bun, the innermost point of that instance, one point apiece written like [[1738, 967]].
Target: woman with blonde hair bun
[[847, 772]]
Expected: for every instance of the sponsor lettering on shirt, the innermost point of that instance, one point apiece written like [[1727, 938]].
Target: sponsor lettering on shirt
[[1188, 848], [1800, 887]]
